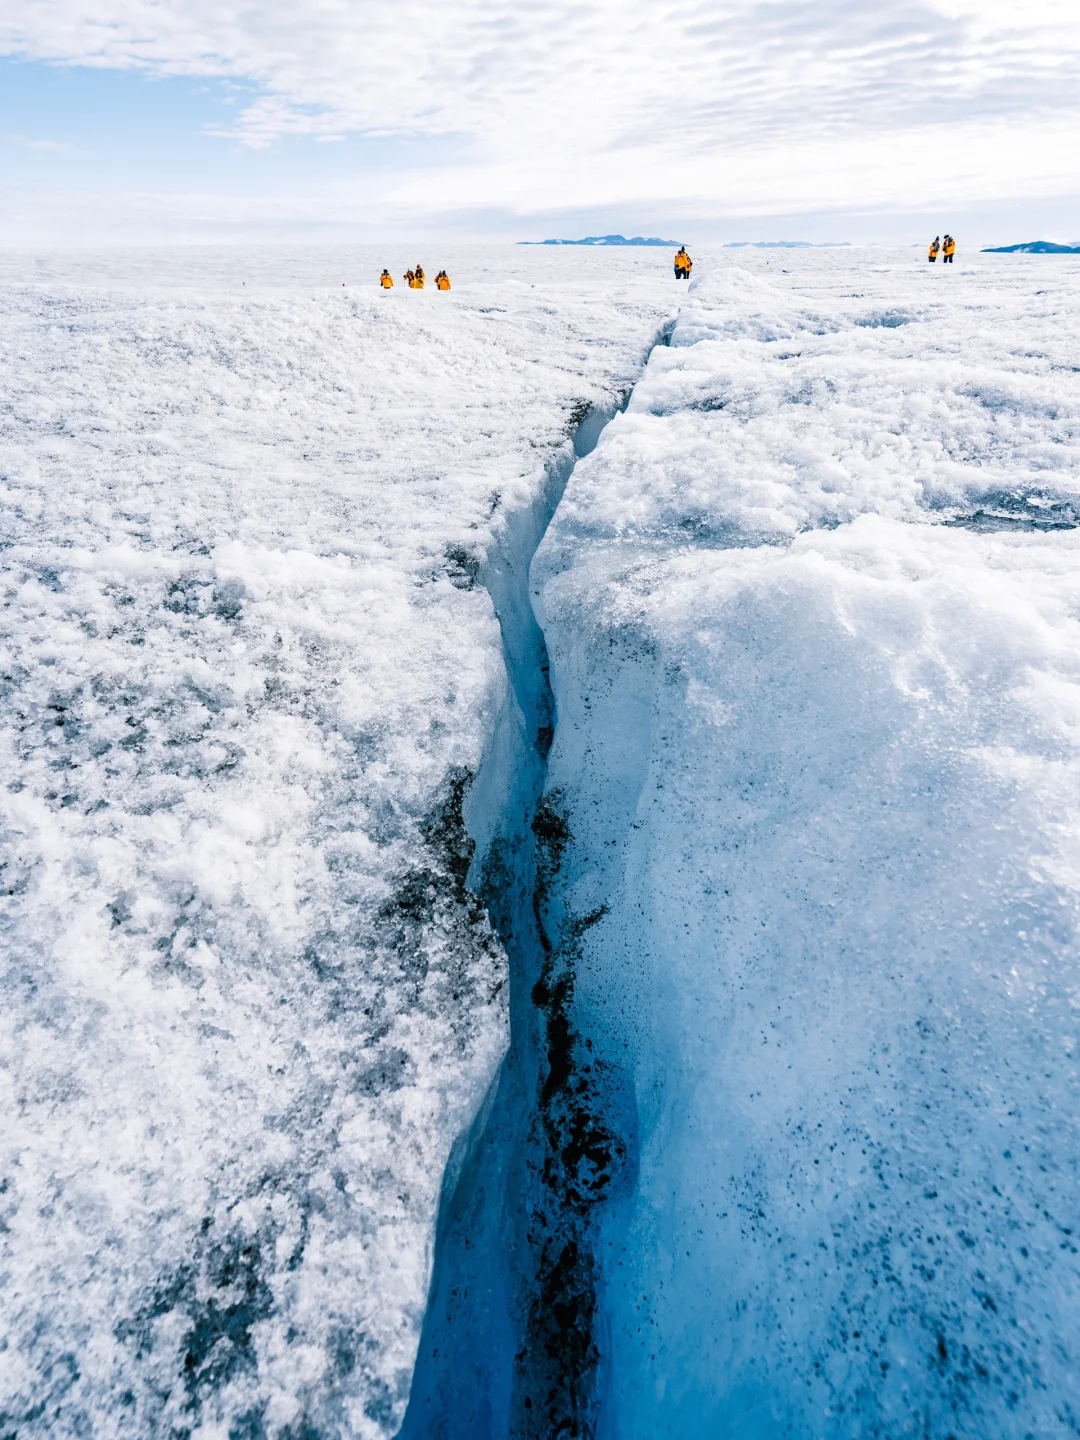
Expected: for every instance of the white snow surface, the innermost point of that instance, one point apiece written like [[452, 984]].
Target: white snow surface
[[816, 655], [248, 1005]]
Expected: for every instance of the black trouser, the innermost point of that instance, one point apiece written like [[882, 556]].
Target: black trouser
[[931, 258], [947, 260], [681, 273]]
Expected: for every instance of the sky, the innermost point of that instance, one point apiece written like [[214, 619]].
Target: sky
[[138, 121]]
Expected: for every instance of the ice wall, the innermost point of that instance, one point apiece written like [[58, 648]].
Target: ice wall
[[812, 610], [249, 674]]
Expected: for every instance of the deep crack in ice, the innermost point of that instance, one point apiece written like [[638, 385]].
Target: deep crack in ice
[[509, 1345]]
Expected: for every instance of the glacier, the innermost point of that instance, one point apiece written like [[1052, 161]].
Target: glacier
[[484, 958], [254, 693], [812, 614]]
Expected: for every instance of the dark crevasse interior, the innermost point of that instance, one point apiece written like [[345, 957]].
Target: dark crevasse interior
[[510, 1344]]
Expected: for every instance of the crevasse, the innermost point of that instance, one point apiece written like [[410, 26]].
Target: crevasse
[[509, 1344]]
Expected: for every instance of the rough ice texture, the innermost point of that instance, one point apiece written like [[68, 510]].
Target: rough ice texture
[[248, 1002], [813, 608]]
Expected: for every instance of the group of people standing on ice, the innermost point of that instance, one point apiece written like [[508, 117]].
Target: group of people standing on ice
[[415, 279], [683, 265]]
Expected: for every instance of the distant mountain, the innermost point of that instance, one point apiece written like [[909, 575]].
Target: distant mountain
[[787, 244], [1033, 247], [603, 240]]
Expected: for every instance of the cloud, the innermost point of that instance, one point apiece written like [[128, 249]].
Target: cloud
[[27, 144], [628, 99]]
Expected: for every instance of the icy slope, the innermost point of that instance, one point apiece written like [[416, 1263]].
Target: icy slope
[[813, 608], [248, 668]]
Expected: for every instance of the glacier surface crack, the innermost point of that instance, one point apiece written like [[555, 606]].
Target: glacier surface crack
[[509, 1344]]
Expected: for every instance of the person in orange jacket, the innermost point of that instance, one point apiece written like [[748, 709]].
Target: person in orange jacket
[[683, 264], [935, 246], [419, 277], [442, 280], [410, 279], [386, 280], [948, 250]]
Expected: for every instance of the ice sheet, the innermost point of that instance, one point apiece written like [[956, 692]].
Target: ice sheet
[[247, 668], [813, 608]]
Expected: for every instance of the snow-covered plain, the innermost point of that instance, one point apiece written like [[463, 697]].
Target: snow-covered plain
[[808, 883], [813, 610], [248, 1003]]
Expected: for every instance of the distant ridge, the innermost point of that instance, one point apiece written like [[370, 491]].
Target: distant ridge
[[787, 244], [1032, 247], [602, 240]]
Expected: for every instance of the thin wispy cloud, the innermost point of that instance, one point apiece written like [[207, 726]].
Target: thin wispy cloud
[[26, 143]]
